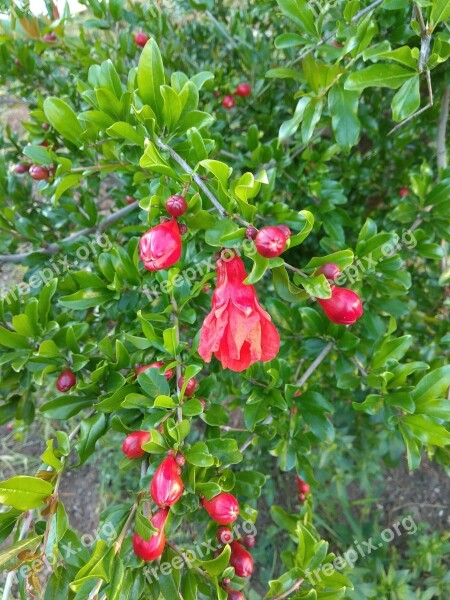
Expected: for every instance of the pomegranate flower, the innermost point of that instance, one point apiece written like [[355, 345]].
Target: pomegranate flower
[[237, 330]]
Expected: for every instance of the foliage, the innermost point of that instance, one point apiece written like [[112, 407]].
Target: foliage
[[316, 147]]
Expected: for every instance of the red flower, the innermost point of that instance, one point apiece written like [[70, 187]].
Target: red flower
[[160, 247], [237, 330], [344, 307]]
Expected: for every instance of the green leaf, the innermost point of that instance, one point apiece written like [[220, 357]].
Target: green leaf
[[343, 259], [98, 567], [29, 544], [225, 450], [301, 14], [381, 75], [87, 298], [172, 106], [391, 349], [343, 105], [143, 526], [199, 455], [65, 406], [62, 118], [217, 565], [432, 385], [150, 78], [23, 492], [440, 12], [10, 339], [288, 40], [153, 383], [91, 431], [288, 128], [427, 430], [127, 132], [407, 100]]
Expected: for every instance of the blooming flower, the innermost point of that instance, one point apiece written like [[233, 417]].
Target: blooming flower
[[160, 247], [237, 330]]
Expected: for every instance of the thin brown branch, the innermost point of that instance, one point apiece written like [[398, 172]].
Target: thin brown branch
[[290, 591], [441, 153], [54, 248]]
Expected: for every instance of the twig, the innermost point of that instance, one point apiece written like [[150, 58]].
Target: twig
[[306, 375], [56, 247], [288, 592], [23, 532], [441, 154], [177, 339], [186, 560], [328, 36], [189, 171], [118, 543], [313, 366], [221, 28]]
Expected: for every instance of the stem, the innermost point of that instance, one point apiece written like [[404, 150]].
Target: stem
[[23, 532], [178, 358], [96, 167], [55, 248], [288, 592], [186, 560], [313, 366], [328, 36], [118, 543], [189, 171], [441, 154], [221, 28]]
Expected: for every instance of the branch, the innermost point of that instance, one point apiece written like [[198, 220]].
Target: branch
[[288, 592], [56, 247], [441, 153], [313, 366], [187, 169], [330, 35]]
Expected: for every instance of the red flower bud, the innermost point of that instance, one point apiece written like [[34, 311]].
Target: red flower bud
[[344, 307], [248, 541], [241, 560], [302, 497], [39, 173], [50, 37], [251, 233], [129, 199], [160, 247], [182, 228], [154, 547], [223, 508], [176, 205], [330, 270], [192, 385], [228, 102], [140, 39], [403, 191], [270, 241], [203, 402], [132, 444], [166, 487], [156, 365], [66, 381], [303, 487], [21, 168], [224, 535], [235, 595], [243, 89], [285, 229]]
